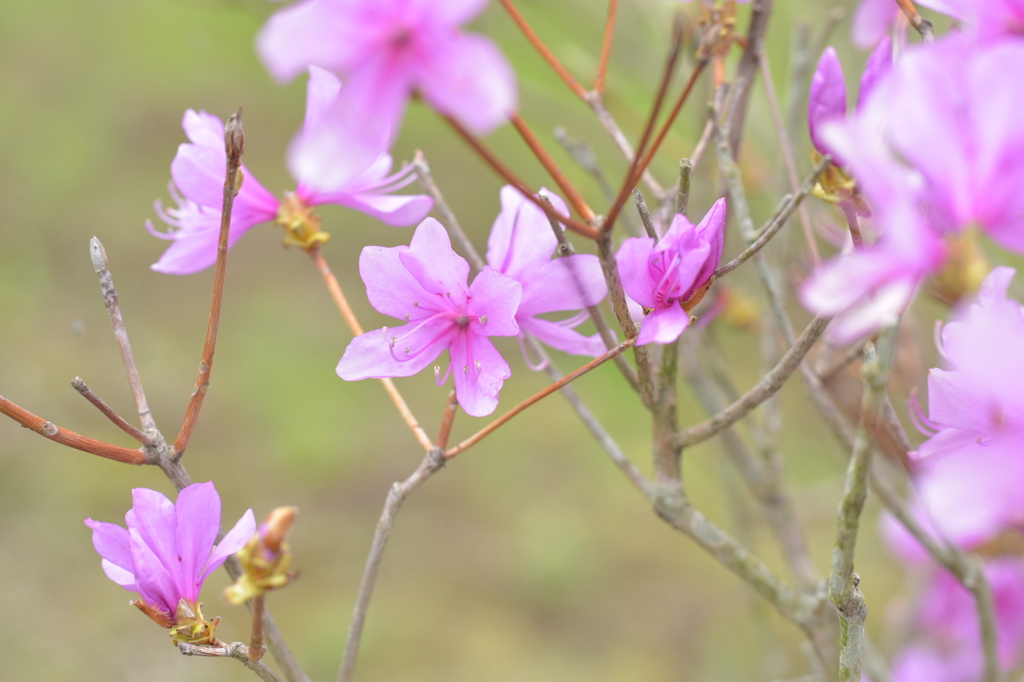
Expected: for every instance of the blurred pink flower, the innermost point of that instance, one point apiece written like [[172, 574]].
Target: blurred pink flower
[[387, 49], [333, 165], [424, 284], [946, 646], [168, 550], [521, 246], [663, 276]]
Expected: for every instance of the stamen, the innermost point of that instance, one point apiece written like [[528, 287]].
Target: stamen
[[483, 320], [917, 417], [535, 365]]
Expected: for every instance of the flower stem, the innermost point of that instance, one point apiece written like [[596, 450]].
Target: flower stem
[[350, 318]]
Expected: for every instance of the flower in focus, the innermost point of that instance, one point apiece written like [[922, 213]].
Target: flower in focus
[[675, 272], [387, 49], [520, 246], [167, 551], [333, 165], [424, 284]]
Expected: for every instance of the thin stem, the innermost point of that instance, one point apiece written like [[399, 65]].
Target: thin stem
[[764, 389], [234, 144], [745, 72], [568, 189], [853, 223], [611, 127], [510, 177], [431, 464], [583, 154], [777, 221], [235, 650], [109, 412], [786, 149], [922, 25], [350, 318], [843, 590], [500, 421], [682, 203], [633, 173], [606, 46], [102, 266], [450, 410], [545, 53], [70, 438], [645, 214], [256, 632]]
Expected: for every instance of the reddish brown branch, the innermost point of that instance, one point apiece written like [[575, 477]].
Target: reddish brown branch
[[109, 412], [234, 145], [447, 420], [666, 78], [606, 45], [570, 192], [545, 53], [511, 178], [69, 438], [487, 430]]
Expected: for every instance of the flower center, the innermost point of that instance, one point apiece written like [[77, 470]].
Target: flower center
[[300, 222]]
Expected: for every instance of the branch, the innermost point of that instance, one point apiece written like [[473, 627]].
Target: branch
[[71, 439], [234, 144], [761, 391], [108, 412], [568, 189], [606, 46], [843, 590], [236, 650], [572, 376], [431, 464], [541, 48], [922, 25]]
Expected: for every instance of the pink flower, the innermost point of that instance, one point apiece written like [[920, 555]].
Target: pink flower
[[872, 20], [947, 644], [827, 98], [424, 284], [520, 246], [387, 49], [663, 276], [168, 550], [988, 18], [333, 165]]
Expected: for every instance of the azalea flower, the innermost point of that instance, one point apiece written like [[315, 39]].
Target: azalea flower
[[389, 49], [946, 646], [424, 284], [333, 165], [167, 551], [872, 20], [662, 276], [520, 246]]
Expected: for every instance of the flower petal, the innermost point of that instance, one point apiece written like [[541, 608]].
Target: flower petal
[[111, 542], [433, 263], [827, 99], [664, 325], [632, 259], [479, 372], [234, 540], [562, 337], [495, 297], [198, 522], [370, 355], [567, 283], [157, 585]]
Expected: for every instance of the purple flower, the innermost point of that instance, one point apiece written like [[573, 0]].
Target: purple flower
[[520, 246], [872, 20], [988, 18], [424, 284], [947, 644], [827, 99], [167, 550], [387, 49], [333, 165], [665, 275]]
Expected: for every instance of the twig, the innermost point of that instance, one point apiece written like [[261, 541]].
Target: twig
[[843, 590], [450, 410], [645, 214], [109, 412], [432, 462], [777, 221], [683, 191], [761, 391], [583, 154], [611, 127], [510, 177], [350, 318], [71, 439], [572, 376], [745, 72], [234, 144], [568, 189], [101, 265], [786, 149], [922, 25], [256, 632], [235, 650], [606, 46], [541, 48], [629, 181]]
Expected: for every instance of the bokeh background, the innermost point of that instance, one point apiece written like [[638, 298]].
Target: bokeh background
[[529, 558]]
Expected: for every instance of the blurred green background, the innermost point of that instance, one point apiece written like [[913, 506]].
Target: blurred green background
[[529, 558]]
